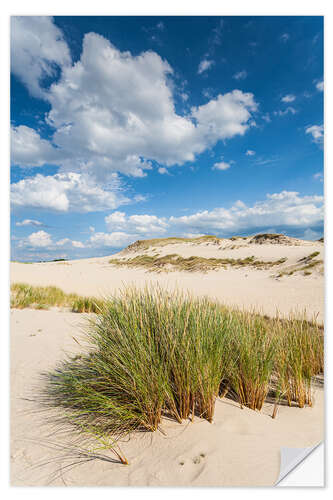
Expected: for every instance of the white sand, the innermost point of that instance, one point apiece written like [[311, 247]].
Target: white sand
[[240, 448]]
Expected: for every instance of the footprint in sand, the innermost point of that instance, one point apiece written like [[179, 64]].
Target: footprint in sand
[[196, 460]]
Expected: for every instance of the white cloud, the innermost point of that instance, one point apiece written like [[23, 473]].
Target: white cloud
[[224, 117], [163, 170], [284, 37], [29, 222], [66, 242], [42, 239], [111, 240], [241, 75], [250, 152], [37, 47], [66, 191], [320, 86], [115, 112], [222, 165], [289, 109], [29, 150], [205, 65], [137, 224], [288, 98], [77, 244], [280, 209], [317, 132], [39, 239], [266, 117]]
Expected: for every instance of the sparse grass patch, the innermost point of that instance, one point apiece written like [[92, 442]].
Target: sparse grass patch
[[312, 264], [193, 263], [161, 242], [42, 297], [309, 257], [154, 354]]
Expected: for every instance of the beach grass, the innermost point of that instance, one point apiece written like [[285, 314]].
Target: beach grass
[[43, 297], [153, 354], [193, 263], [141, 245]]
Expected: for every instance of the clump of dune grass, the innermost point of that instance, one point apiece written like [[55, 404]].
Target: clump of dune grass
[[152, 354], [299, 357], [193, 263], [43, 297], [254, 347]]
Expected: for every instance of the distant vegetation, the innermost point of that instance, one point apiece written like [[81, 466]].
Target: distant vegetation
[[194, 263], [43, 297], [155, 354], [304, 264], [161, 242]]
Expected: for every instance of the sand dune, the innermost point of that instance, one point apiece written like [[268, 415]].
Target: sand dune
[[245, 287]]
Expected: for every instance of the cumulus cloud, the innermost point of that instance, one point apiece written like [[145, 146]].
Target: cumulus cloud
[[66, 242], [287, 208], [163, 170], [39, 239], [28, 149], [42, 239], [224, 117], [250, 152], [29, 222], [222, 165], [320, 86], [111, 240], [66, 191], [37, 48], [241, 75], [288, 98], [115, 112], [317, 132], [205, 65], [137, 224]]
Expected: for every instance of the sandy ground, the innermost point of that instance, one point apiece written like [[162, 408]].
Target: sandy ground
[[244, 287], [241, 447]]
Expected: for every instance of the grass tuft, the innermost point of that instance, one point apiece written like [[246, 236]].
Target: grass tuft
[[154, 354], [43, 297]]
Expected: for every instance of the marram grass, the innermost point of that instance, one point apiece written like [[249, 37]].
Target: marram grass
[[43, 297], [155, 354]]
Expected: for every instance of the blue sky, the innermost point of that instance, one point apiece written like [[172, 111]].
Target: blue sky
[[126, 128]]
